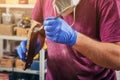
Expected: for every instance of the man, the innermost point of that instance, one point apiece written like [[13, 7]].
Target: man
[[90, 49]]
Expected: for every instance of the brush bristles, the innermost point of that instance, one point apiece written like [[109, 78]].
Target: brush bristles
[[62, 4]]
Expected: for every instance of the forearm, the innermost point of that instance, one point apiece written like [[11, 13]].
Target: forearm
[[103, 54]]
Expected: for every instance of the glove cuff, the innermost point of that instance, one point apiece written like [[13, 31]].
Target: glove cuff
[[73, 38]]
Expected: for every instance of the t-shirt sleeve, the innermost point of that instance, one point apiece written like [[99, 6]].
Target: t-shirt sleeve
[[37, 12], [109, 20]]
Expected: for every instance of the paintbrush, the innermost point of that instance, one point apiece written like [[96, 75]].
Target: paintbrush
[[59, 15]]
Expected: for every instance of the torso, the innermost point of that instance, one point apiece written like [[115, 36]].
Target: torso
[[65, 63]]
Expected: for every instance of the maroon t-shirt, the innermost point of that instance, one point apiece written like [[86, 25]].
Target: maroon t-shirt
[[64, 62]]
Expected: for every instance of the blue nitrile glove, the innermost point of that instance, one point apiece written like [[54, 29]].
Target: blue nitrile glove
[[59, 31], [21, 49]]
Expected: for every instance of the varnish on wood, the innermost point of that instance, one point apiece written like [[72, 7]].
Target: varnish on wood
[[31, 44]]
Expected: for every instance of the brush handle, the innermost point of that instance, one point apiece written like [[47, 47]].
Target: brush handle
[[38, 29], [59, 15]]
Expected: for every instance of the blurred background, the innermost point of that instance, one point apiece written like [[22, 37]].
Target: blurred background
[[15, 22]]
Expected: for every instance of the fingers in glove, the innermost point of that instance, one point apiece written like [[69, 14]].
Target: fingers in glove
[[21, 53], [23, 46], [37, 47]]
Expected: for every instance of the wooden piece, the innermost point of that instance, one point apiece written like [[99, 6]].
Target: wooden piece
[[32, 39], [31, 44]]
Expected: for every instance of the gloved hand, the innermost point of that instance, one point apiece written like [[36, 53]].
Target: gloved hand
[[59, 31], [21, 49]]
